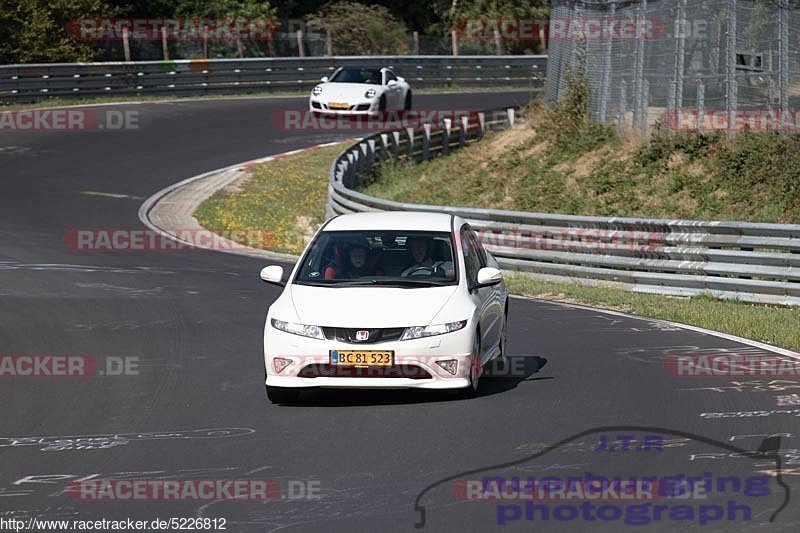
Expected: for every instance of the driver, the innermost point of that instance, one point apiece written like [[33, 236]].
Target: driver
[[420, 249]]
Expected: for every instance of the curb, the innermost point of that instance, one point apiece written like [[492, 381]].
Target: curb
[[170, 208]]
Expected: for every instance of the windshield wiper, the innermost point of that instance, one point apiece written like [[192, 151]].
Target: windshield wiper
[[409, 282]]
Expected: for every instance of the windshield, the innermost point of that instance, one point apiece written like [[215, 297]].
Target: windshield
[[379, 258], [357, 75]]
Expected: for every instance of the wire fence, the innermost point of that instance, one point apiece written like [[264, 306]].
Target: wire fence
[[699, 65], [300, 43]]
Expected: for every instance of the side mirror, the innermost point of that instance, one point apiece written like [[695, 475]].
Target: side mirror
[[489, 276], [273, 274], [323, 79], [401, 80], [391, 83]]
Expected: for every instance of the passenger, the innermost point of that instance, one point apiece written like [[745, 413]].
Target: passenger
[[357, 267]]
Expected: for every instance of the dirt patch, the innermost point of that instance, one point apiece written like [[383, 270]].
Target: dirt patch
[[536, 150], [520, 134]]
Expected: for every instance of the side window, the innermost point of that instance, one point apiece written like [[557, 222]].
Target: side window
[[389, 75], [478, 247], [471, 255]]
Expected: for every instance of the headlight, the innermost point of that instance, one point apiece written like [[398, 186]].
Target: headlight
[[370, 93], [417, 332], [317, 90], [315, 332]]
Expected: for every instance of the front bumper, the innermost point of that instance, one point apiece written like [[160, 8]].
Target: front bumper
[[414, 362], [358, 108]]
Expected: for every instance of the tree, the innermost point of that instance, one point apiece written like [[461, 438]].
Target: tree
[[451, 13], [358, 29], [252, 14], [34, 31]]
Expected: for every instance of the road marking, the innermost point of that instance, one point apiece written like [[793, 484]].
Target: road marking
[[726, 336], [111, 195]]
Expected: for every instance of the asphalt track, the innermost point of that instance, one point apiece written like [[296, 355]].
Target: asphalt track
[[197, 407]]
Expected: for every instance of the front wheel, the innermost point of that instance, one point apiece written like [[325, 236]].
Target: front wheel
[[282, 394], [503, 357], [407, 105]]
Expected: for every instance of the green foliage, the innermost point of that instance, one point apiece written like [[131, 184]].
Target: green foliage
[[222, 9], [568, 125], [35, 31], [358, 29], [449, 14], [660, 148]]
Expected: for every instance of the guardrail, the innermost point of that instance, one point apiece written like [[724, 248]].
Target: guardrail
[[752, 262], [36, 81]]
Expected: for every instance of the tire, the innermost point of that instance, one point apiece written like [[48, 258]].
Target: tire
[[282, 394], [503, 357], [407, 105], [382, 103]]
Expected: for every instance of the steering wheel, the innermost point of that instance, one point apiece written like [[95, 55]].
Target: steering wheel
[[421, 270]]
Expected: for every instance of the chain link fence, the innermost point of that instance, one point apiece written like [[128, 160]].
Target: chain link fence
[[700, 64], [282, 44]]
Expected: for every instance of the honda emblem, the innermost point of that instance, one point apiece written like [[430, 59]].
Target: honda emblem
[[362, 335]]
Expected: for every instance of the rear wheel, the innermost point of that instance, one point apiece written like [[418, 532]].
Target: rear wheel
[[282, 394]]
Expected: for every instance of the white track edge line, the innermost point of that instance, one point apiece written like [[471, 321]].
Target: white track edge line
[[727, 336]]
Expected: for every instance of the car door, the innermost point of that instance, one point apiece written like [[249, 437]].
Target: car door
[[496, 293], [482, 297]]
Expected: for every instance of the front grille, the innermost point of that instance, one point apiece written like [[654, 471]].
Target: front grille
[[362, 107], [327, 370], [316, 105], [375, 334]]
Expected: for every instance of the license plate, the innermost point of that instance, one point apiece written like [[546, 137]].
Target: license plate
[[362, 358], [338, 105]]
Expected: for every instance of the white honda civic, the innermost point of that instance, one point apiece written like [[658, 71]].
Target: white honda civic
[[359, 91], [386, 300]]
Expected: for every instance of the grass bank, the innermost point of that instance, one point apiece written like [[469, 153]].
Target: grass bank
[[549, 164], [286, 196]]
